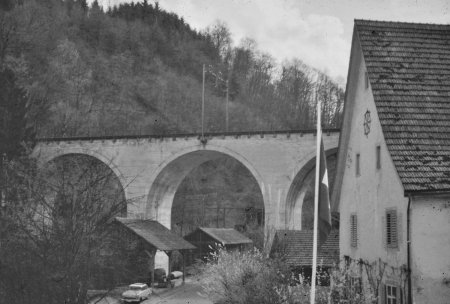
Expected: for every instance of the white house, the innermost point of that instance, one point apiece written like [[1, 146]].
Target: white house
[[392, 185]]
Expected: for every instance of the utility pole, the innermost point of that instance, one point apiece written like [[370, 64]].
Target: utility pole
[[226, 109], [3, 182]]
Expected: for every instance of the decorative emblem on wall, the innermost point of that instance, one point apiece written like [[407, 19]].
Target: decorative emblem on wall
[[349, 160], [367, 121]]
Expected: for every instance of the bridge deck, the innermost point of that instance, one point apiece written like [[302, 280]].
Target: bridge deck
[[186, 135]]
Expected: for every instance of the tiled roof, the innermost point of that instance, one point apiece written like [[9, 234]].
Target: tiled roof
[[226, 236], [296, 246], [409, 70], [156, 234]]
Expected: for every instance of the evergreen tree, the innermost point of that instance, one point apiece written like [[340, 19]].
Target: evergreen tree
[[6, 4], [95, 5], [84, 5], [15, 133]]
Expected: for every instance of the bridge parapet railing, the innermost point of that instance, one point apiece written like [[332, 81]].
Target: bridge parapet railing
[[189, 135]]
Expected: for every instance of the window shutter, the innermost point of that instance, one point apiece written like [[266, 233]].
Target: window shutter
[[383, 225], [399, 295], [382, 294], [360, 286], [391, 229], [394, 230], [353, 230]]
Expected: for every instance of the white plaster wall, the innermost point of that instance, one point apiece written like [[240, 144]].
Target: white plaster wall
[[430, 249], [369, 194]]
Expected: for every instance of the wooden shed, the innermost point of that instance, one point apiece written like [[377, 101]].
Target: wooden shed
[[158, 237], [207, 240]]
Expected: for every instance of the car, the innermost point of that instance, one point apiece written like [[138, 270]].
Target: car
[[161, 279], [175, 275], [136, 293]]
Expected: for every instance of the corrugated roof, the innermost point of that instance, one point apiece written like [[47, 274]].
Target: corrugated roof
[[296, 246], [409, 70], [226, 236], [156, 234]]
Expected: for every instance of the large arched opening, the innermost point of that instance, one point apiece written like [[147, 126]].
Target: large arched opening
[[207, 188], [300, 198], [220, 193], [172, 173]]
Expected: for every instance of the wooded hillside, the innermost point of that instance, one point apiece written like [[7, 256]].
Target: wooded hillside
[[137, 69]]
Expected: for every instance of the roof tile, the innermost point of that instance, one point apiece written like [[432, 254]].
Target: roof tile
[[156, 234], [295, 246], [409, 71], [226, 236]]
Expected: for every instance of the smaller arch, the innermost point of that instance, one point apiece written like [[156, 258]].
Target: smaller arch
[[81, 181], [297, 192], [45, 155]]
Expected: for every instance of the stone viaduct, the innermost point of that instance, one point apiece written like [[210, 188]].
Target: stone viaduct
[[151, 168]]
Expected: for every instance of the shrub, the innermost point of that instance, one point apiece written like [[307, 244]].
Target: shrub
[[249, 277], [231, 277]]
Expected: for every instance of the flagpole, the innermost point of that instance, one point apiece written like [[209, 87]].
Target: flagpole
[[316, 208]]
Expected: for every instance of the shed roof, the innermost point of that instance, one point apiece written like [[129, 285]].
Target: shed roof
[[296, 247], [408, 65], [156, 234], [226, 236]]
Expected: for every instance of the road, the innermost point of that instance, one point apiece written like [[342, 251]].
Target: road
[[190, 293]]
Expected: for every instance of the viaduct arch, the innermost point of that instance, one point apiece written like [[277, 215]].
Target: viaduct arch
[[295, 199], [150, 168], [171, 173]]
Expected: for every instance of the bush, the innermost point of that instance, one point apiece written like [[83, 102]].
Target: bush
[[231, 277], [249, 277]]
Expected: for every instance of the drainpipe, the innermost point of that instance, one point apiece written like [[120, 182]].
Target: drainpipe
[[408, 243]]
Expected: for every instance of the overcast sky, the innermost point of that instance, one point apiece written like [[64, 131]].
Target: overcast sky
[[316, 31]]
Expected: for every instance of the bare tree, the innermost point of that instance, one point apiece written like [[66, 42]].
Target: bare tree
[[55, 230], [220, 36]]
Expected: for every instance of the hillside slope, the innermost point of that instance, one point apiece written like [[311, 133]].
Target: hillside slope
[[137, 69]]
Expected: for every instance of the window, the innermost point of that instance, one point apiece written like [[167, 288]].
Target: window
[[378, 157], [392, 294], [391, 229], [353, 289], [366, 80], [353, 231], [356, 285], [358, 170]]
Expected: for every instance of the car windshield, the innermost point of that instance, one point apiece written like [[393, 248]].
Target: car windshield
[[137, 288]]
